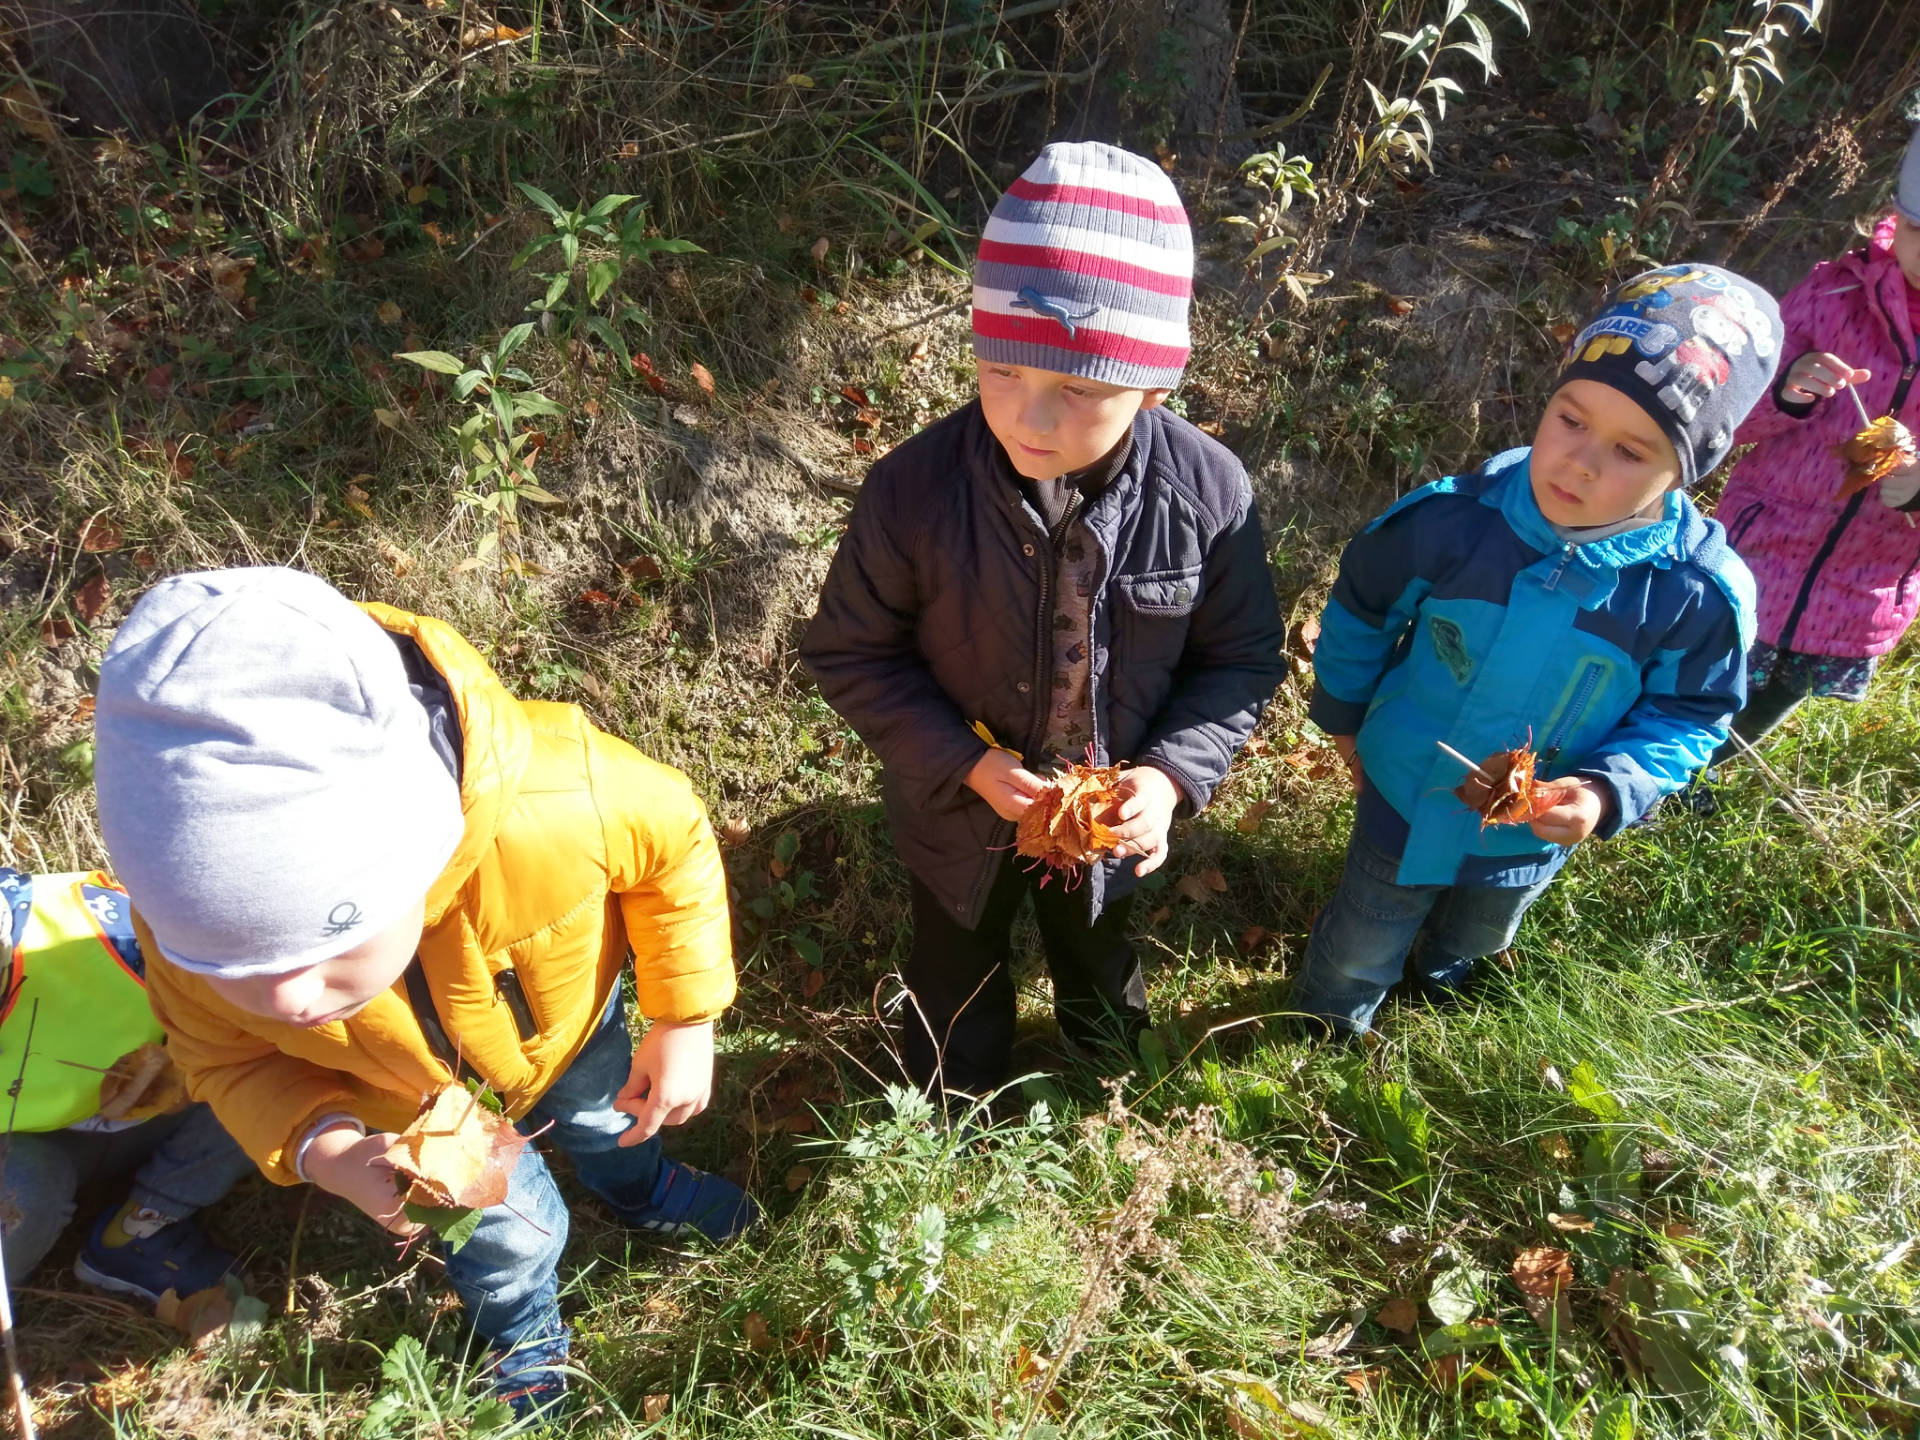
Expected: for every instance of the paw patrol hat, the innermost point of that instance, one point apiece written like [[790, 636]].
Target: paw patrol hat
[[1694, 346]]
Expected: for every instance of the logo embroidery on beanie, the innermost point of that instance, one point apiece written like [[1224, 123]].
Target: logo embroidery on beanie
[[342, 918], [1722, 326], [1031, 299]]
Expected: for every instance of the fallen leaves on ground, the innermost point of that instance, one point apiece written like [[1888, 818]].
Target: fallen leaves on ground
[[1255, 813], [91, 599], [100, 535], [702, 377], [218, 1312], [1544, 1274], [1399, 1314], [1065, 829], [1200, 886], [398, 560]]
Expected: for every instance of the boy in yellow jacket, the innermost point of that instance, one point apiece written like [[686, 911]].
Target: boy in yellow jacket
[[360, 868]]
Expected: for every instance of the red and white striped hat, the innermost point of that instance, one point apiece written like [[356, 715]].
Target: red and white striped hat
[[1086, 267]]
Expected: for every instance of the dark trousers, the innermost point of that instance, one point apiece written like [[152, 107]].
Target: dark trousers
[[1766, 708], [958, 1032]]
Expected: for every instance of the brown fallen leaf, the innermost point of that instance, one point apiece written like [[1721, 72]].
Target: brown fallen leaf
[[810, 985], [799, 1177], [398, 560], [1571, 1224], [654, 1407], [1513, 798], [457, 1154], [1252, 938], [100, 535], [819, 251], [1200, 886], [1400, 1315], [1255, 813], [1876, 452], [1399, 305], [476, 35], [1364, 1382], [54, 629], [1544, 1274], [91, 599], [388, 313], [357, 501], [733, 830], [702, 377], [1065, 828], [1160, 916], [759, 1338], [199, 1316]]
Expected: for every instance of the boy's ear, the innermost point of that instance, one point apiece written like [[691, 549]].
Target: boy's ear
[[1153, 398]]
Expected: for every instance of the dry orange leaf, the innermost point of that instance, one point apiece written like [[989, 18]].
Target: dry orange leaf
[[200, 1316], [758, 1336], [1512, 799], [1364, 1382], [819, 251], [55, 629], [733, 830], [702, 377], [799, 1177], [1200, 886], [1875, 453], [388, 313], [476, 35], [1571, 1224], [1399, 1314], [457, 1153], [141, 1084], [1255, 813], [100, 535], [91, 599], [1064, 828], [1544, 1274]]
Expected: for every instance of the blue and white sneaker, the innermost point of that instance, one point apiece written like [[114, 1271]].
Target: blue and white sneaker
[[686, 1201], [530, 1379], [158, 1254]]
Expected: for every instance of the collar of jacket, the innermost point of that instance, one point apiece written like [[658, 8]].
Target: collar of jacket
[[497, 742], [1590, 572], [986, 457], [1873, 265]]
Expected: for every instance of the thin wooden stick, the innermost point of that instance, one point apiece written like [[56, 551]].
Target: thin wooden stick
[[1449, 750], [1866, 420]]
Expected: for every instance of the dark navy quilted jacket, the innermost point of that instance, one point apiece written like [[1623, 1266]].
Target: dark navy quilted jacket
[[937, 610]]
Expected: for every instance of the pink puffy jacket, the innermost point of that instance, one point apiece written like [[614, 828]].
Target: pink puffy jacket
[[1836, 577]]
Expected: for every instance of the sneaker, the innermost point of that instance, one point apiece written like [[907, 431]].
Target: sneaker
[[1700, 795], [686, 1201], [528, 1380], [159, 1254]]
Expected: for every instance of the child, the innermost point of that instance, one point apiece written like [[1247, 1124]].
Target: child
[[1839, 578], [98, 1098], [1569, 597], [1069, 566], [360, 867]]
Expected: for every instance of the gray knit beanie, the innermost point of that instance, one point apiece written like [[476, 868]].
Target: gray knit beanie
[[1086, 268], [1906, 198], [267, 789], [1695, 346]]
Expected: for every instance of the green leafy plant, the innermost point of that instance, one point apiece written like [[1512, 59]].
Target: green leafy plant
[[912, 1223], [1276, 178], [595, 249], [419, 1399], [495, 445]]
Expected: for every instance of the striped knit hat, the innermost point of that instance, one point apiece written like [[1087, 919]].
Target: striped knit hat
[[1086, 268]]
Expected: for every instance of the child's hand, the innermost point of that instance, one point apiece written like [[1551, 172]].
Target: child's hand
[[1574, 809], [1143, 815], [1819, 375], [355, 1167], [671, 1080], [1004, 783], [1350, 752]]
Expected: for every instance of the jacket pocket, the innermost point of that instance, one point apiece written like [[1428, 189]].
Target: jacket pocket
[[1743, 522], [1154, 614], [1590, 679]]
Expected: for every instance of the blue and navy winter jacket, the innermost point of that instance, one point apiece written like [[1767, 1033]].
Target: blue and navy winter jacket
[[1460, 615]]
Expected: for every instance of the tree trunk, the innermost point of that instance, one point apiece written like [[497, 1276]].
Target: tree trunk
[[139, 66]]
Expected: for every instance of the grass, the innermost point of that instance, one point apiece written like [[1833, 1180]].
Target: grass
[[1697, 1077]]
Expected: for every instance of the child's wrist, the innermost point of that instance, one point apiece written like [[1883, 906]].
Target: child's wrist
[[326, 1138]]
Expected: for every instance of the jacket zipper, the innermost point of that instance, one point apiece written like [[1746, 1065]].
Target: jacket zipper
[[1908, 367], [1566, 559], [1589, 682], [1743, 522], [1042, 664], [506, 985]]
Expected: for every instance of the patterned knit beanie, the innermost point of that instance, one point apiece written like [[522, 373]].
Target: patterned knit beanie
[[1906, 199], [1086, 267], [1694, 346]]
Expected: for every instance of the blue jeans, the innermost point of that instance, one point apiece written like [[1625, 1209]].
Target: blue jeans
[[180, 1163], [1360, 941], [507, 1273]]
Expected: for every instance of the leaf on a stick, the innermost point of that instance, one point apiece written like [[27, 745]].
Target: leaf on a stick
[[1065, 828], [1875, 453], [457, 1153], [141, 1084], [1513, 798]]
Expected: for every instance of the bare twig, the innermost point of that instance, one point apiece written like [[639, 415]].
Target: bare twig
[[838, 484], [1464, 761]]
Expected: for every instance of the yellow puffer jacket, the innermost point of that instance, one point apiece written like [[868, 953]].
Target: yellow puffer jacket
[[577, 848]]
